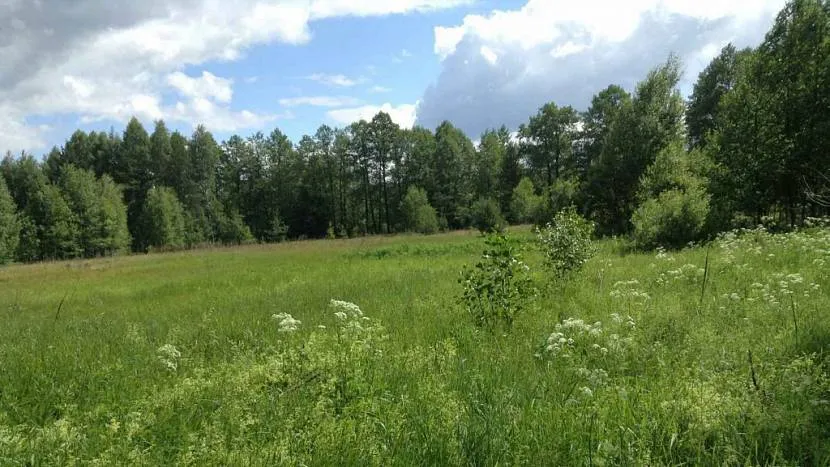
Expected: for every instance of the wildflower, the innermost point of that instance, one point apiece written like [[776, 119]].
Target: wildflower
[[346, 307], [169, 356], [287, 323], [586, 391], [340, 315]]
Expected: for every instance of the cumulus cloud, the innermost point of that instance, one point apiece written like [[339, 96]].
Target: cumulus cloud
[[100, 59], [207, 86], [499, 68], [403, 115]]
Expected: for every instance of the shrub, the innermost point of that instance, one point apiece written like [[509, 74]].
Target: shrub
[[674, 203], [499, 285], [524, 203], [231, 229], [9, 225], [486, 216], [561, 195], [566, 242], [419, 215], [672, 219]]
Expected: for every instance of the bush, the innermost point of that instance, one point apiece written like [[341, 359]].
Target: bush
[[566, 242], [9, 225], [419, 215], [672, 219], [232, 229], [524, 203], [498, 287], [486, 216]]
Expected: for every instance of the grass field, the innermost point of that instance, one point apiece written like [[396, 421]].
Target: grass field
[[177, 359]]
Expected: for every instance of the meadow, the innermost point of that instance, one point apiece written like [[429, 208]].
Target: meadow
[[344, 352]]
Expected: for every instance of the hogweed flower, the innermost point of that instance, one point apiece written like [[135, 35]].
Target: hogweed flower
[[344, 307], [169, 356], [287, 323]]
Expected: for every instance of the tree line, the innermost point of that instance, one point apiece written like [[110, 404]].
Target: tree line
[[750, 145]]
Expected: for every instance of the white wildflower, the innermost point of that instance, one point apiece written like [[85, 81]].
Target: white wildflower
[[347, 307], [287, 323], [169, 356]]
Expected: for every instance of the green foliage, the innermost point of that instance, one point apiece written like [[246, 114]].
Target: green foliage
[[672, 219], [563, 194], [58, 227], [454, 153], [418, 214], [101, 215], [114, 236], [566, 243], [231, 229], [486, 216], [164, 219], [9, 225], [525, 203], [548, 137], [675, 203], [641, 128], [498, 287], [277, 231], [716, 80], [28, 249]]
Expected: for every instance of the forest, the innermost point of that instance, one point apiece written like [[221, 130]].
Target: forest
[[749, 146]]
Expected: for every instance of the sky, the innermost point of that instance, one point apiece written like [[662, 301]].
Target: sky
[[254, 65]]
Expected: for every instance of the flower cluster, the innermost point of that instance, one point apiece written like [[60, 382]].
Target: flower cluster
[[562, 342], [779, 287], [574, 336], [685, 273], [287, 323], [169, 356], [629, 290]]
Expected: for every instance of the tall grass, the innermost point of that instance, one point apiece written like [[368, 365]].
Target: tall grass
[[177, 358]]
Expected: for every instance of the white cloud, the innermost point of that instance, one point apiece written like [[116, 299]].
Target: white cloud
[[489, 54], [206, 86], [329, 8], [319, 101], [403, 115], [541, 22], [566, 51], [220, 118], [334, 80], [16, 134], [101, 60], [379, 90], [568, 48]]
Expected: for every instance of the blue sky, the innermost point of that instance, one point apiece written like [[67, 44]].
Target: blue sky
[[253, 65]]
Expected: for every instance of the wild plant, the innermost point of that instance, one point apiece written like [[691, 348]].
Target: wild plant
[[499, 286], [566, 243]]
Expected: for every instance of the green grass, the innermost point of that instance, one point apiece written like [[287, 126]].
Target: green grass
[[82, 379]]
